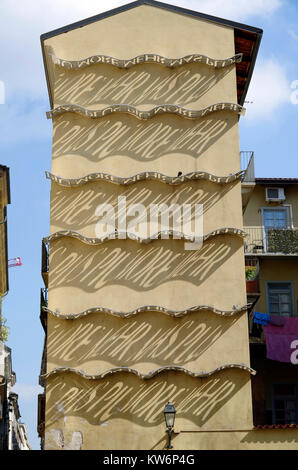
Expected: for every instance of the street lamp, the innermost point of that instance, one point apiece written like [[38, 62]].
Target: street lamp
[[169, 412]]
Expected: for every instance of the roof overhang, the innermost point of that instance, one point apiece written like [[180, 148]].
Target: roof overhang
[[276, 181], [247, 39]]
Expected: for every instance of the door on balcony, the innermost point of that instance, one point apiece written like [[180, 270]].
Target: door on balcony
[[284, 404], [275, 218], [280, 298]]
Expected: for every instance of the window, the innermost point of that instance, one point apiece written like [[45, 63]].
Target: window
[[280, 298], [284, 404], [276, 218]]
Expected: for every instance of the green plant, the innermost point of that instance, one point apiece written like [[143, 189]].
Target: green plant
[[282, 241], [250, 273], [4, 330]]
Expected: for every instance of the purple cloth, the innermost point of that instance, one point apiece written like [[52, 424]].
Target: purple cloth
[[279, 340], [277, 320]]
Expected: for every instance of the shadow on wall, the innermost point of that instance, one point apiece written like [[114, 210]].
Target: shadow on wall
[[125, 396], [149, 338], [274, 436], [137, 266], [151, 84], [125, 135], [74, 208]]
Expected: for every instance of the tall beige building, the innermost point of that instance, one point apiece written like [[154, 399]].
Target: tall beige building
[[145, 103]]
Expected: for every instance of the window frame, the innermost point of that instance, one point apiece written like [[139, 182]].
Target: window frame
[[280, 207], [292, 295], [284, 397]]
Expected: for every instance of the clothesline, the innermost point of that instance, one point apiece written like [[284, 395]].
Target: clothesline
[[281, 333]]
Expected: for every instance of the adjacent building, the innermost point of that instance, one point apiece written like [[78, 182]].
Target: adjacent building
[[13, 434], [145, 102], [4, 201], [271, 255]]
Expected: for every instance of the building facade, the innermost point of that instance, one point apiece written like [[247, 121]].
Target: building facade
[[271, 254], [135, 318], [13, 435], [4, 201]]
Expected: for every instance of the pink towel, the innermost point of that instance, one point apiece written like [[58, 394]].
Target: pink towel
[[280, 344]]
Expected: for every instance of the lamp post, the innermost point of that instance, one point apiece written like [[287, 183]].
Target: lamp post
[[169, 413]]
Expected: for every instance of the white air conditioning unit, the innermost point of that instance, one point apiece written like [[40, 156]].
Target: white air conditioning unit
[[275, 194]]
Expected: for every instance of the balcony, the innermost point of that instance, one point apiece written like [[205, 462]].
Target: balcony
[[247, 164], [271, 241], [252, 281], [45, 262], [41, 415], [43, 303]]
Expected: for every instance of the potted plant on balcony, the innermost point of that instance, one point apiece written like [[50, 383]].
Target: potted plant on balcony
[[252, 283]]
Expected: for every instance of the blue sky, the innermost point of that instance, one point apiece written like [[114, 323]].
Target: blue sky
[[269, 128]]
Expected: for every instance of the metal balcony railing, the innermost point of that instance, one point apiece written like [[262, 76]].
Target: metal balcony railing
[[43, 303], [43, 297], [44, 262], [247, 163], [271, 240]]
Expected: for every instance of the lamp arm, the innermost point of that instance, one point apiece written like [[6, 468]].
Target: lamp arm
[[170, 432]]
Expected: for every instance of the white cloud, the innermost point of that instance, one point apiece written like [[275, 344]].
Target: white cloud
[[21, 26], [27, 117], [237, 10], [27, 392], [269, 89], [293, 34], [20, 29]]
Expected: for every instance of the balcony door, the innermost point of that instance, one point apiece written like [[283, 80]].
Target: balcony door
[[274, 218], [284, 403]]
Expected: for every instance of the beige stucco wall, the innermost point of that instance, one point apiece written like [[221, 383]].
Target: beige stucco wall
[[283, 269], [124, 274], [93, 411], [144, 29], [101, 407], [144, 87], [146, 342], [75, 208], [253, 212], [123, 145]]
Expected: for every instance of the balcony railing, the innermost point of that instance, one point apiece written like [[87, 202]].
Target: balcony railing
[[247, 163], [43, 303], [271, 240], [45, 262], [43, 297]]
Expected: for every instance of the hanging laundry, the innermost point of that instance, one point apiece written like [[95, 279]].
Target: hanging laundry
[[277, 320], [280, 339], [261, 318]]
